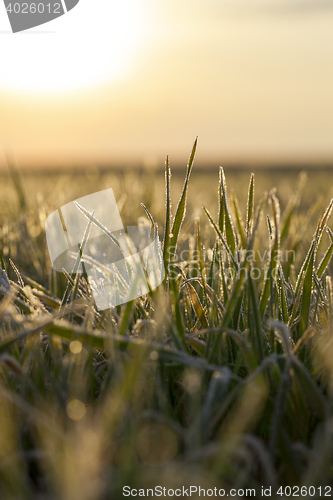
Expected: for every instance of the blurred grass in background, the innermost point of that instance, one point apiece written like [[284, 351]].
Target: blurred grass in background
[[26, 199]]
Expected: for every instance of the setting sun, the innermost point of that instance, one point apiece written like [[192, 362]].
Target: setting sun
[[119, 81], [89, 45]]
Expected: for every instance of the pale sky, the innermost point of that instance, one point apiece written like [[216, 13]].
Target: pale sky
[[131, 84]]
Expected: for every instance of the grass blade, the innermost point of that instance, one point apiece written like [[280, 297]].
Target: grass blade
[[239, 221], [325, 261], [250, 207], [166, 245], [219, 234], [229, 230], [181, 208]]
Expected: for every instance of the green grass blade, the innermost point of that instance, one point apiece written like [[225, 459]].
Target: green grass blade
[[181, 208], [201, 260], [167, 227], [257, 333], [307, 259], [77, 264], [239, 221], [282, 296], [219, 234], [175, 308], [150, 217], [266, 291], [235, 296], [274, 254], [221, 212], [250, 207], [229, 230], [307, 292], [325, 261], [197, 306], [126, 317]]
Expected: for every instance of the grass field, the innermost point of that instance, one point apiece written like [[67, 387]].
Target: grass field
[[221, 377]]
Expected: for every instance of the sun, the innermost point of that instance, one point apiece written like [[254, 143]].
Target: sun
[[94, 43]]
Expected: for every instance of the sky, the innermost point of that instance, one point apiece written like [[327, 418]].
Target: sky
[[128, 84]]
